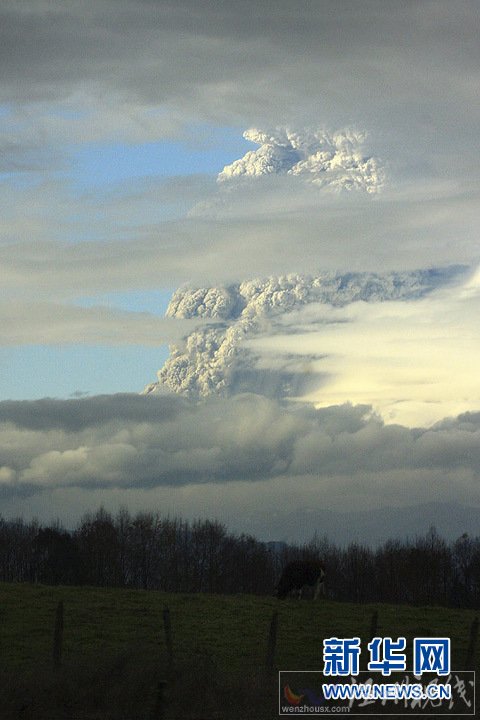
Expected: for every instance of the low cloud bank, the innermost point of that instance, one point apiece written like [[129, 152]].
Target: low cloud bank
[[340, 452]]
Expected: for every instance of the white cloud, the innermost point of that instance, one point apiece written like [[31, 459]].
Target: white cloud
[[43, 323], [415, 361], [258, 233]]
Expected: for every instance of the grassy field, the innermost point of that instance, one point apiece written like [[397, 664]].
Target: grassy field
[[114, 650]]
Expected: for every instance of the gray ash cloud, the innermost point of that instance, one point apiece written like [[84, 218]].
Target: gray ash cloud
[[335, 160], [215, 359]]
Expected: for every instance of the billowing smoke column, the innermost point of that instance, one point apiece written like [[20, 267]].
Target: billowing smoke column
[[335, 160], [215, 358]]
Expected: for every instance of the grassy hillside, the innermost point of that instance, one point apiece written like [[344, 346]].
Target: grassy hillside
[[114, 650]]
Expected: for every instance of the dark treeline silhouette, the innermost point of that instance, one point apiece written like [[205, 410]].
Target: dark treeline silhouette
[[156, 553]]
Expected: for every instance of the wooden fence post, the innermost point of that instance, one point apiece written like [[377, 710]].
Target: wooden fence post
[[470, 660], [159, 709], [272, 642], [58, 636], [167, 627]]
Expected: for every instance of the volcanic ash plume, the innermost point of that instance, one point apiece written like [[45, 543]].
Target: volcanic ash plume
[[215, 358], [336, 160]]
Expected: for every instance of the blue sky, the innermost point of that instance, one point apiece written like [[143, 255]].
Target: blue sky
[[37, 371], [99, 171], [103, 165]]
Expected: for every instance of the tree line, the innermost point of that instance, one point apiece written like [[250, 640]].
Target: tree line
[[152, 552]]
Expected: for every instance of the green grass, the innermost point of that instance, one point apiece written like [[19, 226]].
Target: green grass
[[114, 649]]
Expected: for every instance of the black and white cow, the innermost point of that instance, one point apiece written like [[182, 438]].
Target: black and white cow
[[300, 574]]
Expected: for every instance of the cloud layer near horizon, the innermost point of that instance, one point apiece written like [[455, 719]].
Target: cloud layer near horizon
[[135, 441], [123, 448]]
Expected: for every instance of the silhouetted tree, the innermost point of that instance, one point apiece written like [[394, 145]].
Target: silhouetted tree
[[170, 554], [98, 545], [55, 559]]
